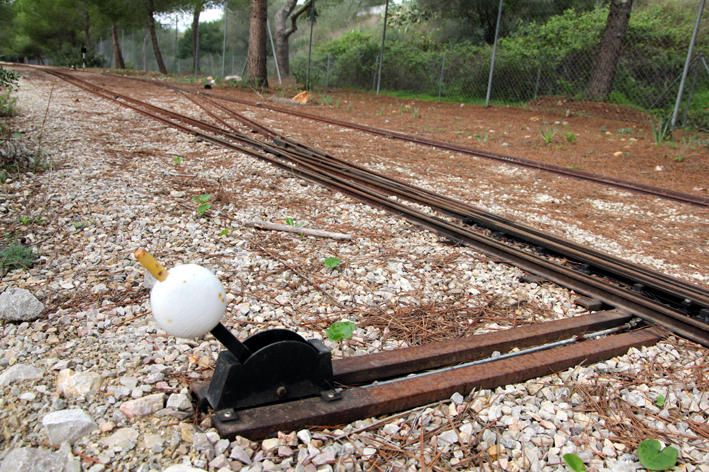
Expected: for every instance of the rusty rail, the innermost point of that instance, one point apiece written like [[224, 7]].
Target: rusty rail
[[519, 161], [612, 295], [379, 399]]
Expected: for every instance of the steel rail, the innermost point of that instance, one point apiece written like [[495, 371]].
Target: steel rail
[[390, 134], [407, 393], [670, 287], [615, 296], [357, 370]]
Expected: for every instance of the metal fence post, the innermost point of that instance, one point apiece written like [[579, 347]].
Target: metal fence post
[[492, 57], [536, 82], [273, 51], [440, 77], [327, 75], [381, 49], [177, 37], [310, 45], [686, 63], [226, 23]]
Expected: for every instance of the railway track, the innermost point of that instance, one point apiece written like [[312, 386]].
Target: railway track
[[390, 134], [392, 381], [377, 190], [388, 382]]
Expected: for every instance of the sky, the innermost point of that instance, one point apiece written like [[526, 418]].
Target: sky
[[184, 20]]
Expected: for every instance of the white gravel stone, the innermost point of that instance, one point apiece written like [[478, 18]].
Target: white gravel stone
[[143, 406], [72, 384], [67, 425], [305, 436], [183, 468], [18, 304], [29, 459], [124, 439], [179, 401], [20, 373]]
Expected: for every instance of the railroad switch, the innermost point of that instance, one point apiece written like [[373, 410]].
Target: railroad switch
[[272, 366]]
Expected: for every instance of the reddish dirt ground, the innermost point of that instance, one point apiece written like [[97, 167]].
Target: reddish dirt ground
[[607, 139]]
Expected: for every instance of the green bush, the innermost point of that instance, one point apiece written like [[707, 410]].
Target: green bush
[[7, 104], [551, 58], [8, 78]]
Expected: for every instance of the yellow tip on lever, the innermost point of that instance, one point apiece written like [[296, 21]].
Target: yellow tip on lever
[[151, 264]]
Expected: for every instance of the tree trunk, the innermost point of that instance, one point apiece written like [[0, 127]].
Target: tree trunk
[[154, 37], [118, 61], [610, 47], [282, 47], [87, 25], [256, 73], [195, 37]]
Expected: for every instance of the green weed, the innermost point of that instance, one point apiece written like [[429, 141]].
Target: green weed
[[225, 232], [548, 134], [574, 462], [203, 204], [482, 138], [26, 220], [654, 458], [662, 130], [340, 330], [660, 401], [16, 256], [292, 223], [570, 137], [325, 100], [331, 262], [7, 104], [178, 160]]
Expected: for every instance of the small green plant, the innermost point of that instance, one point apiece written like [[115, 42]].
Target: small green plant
[[292, 223], [571, 137], [340, 330], [625, 130], [326, 100], [7, 104], [30, 220], [178, 160], [482, 138], [660, 401], [574, 462], [331, 262], [3, 176], [8, 78], [678, 158], [225, 232], [416, 112], [16, 256], [652, 457], [79, 225], [548, 134], [662, 130], [203, 204]]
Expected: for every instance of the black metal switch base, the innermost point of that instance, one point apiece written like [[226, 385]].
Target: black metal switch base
[[281, 366]]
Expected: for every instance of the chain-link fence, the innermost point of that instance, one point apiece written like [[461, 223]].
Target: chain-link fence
[[556, 60]]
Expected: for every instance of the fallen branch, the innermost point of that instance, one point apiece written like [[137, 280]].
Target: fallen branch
[[294, 229]]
